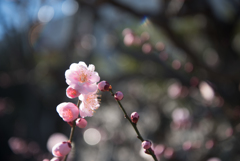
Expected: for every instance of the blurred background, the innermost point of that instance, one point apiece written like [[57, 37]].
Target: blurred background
[[176, 61]]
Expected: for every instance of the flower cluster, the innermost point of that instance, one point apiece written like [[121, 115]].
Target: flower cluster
[[82, 81]]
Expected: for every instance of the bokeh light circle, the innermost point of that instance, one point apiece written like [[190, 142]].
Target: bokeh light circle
[[45, 14], [54, 139], [69, 7], [92, 136]]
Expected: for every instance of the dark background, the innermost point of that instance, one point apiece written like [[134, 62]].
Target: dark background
[[186, 89]]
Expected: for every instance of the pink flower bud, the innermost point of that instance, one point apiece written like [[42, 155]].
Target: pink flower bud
[[146, 144], [103, 86], [68, 111], [61, 149], [134, 117], [81, 122], [72, 93], [118, 96]]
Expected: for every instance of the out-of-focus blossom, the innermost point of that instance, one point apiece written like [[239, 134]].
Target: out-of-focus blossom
[[137, 40], [181, 117], [229, 132], [176, 64], [82, 78], [72, 93], [168, 153], [18, 145], [194, 81], [61, 149], [209, 144], [214, 159], [174, 90], [159, 46], [163, 56], [206, 91], [81, 122], [68, 111], [146, 48], [126, 31], [145, 36], [159, 149], [118, 96], [45, 160], [188, 67], [128, 39], [187, 145], [89, 104]]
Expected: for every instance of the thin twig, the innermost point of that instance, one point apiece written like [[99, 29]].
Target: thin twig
[[133, 125]]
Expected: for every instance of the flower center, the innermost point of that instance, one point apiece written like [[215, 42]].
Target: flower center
[[82, 78], [67, 114], [93, 101]]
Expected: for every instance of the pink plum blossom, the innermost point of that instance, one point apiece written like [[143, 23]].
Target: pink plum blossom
[[68, 111], [89, 104], [61, 149], [82, 78], [72, 93]]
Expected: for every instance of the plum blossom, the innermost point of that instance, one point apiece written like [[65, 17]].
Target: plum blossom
[[89, 104], [82, 78], [68, 111]]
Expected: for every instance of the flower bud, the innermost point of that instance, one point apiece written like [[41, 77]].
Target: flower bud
[[61, 149], [103, 86], [81, 122], [72, 93], [146, 144], [134, 117], [118, 96]]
